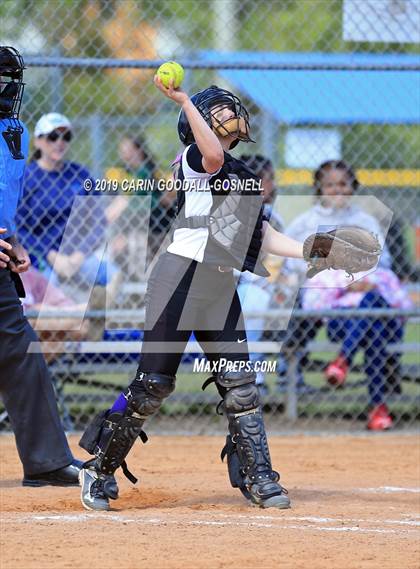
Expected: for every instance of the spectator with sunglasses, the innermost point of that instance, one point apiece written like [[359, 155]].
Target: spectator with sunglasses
[[50, 187]]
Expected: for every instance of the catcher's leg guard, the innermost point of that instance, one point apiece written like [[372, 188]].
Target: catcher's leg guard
[[112, 434], [248, 457]]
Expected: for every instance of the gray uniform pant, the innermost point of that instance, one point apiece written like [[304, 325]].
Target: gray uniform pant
[[27, 390]]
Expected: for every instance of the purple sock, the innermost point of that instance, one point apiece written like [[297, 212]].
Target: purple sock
[[120, 404]]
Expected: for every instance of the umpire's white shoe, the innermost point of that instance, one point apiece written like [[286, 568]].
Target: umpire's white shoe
[[96, 489]]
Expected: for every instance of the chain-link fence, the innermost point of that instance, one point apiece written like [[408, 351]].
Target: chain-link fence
[[322, 81]]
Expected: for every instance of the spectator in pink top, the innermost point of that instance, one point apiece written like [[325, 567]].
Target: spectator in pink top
[[335, 182]]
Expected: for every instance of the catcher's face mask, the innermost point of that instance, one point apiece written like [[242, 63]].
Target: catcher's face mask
[[226, 122]]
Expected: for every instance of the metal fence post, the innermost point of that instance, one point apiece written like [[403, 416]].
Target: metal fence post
[[291, 392]]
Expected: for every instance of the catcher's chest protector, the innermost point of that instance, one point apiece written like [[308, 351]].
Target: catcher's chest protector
[[235, 219]]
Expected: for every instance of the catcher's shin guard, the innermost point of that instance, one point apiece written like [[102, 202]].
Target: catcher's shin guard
[[248, 457], [111, 435]]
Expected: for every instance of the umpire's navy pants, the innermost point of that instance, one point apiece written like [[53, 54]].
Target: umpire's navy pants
[[27, 390]]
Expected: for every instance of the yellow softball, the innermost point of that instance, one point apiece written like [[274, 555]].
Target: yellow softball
[[171, 70]]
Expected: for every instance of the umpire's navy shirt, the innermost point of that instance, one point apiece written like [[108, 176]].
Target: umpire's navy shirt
[[11, 179]]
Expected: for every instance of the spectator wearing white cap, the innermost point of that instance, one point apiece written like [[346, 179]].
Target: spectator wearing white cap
[[50, 187]]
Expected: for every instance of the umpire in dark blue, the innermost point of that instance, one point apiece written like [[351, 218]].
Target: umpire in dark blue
[[25, 383]]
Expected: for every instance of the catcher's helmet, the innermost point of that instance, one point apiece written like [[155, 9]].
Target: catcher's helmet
[[210, 100], [11, 82]]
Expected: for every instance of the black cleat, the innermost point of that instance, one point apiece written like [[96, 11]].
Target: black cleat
[[66, 476]]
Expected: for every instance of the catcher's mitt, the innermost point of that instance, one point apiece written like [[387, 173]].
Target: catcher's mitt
[[350, 248]]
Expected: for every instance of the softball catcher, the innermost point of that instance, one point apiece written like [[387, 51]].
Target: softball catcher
[[192, 289]]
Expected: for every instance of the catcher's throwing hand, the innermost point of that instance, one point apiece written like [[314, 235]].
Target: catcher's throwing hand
[[176, 95], [352, 249]]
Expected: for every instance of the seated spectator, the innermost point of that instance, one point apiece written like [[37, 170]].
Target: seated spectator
[[136, 212], [50, 187], [256, 292], [335, 183], [263, 168]]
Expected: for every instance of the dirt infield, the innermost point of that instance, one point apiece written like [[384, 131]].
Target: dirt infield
[[355, 505]]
